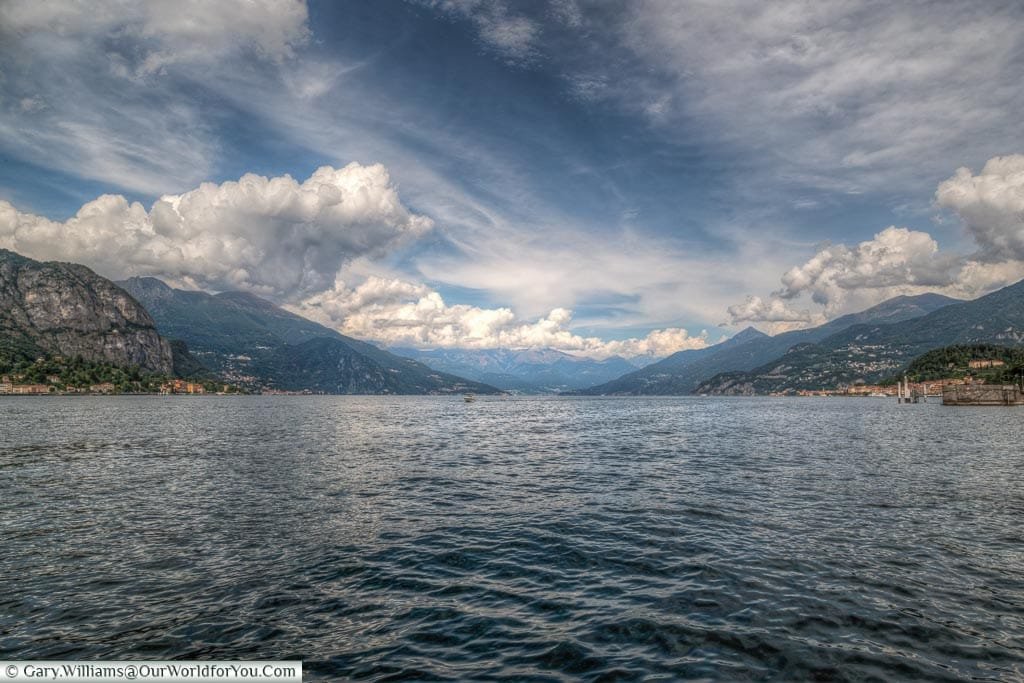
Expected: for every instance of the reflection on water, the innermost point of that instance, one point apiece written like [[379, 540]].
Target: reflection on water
[[518, 538]]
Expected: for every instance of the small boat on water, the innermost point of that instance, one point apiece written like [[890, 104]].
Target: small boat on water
[[469, 398]]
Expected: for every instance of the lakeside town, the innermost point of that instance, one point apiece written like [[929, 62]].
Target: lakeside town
[[13, 386], [959, 375], [924, 389]]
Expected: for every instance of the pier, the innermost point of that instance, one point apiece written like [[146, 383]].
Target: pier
[[907, 394]]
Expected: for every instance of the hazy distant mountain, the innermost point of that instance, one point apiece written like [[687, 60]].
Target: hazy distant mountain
[[872, 351], [673, 375], [65, 309], [348, 367], [683, 372], [528, 371], [251, 341]]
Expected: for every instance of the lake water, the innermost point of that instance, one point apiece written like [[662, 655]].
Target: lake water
[[424, 538]]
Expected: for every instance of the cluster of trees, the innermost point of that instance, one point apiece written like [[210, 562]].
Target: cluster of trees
[[954, 361]]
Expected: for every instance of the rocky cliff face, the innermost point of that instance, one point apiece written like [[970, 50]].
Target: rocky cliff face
[[66, 309]]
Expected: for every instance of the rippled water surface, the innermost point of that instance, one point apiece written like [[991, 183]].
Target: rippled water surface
[[544, 538]]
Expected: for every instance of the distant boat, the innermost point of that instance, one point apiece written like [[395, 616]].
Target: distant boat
[[469, 398]]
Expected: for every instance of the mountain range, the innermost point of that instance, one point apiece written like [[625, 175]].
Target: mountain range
[[872, 350], [252, 342], [50, 309], [530, 371], [683, 372]]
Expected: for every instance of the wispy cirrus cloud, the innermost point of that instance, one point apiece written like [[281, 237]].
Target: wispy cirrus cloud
[[854, 96], [501, 29], [99, 89], [851, 97], [163, 31]]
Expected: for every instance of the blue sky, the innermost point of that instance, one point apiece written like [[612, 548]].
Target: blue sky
[[600, 177]]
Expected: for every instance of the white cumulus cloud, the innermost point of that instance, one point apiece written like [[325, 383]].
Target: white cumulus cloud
[[895, 257], [991, 205], [772, 309], [274, 236], [898, 260], [400, 313]]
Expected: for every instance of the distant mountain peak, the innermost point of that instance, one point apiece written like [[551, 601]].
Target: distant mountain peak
[[917, 298], [928, 301], [147, 287], [748, 333], [148, 281]]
